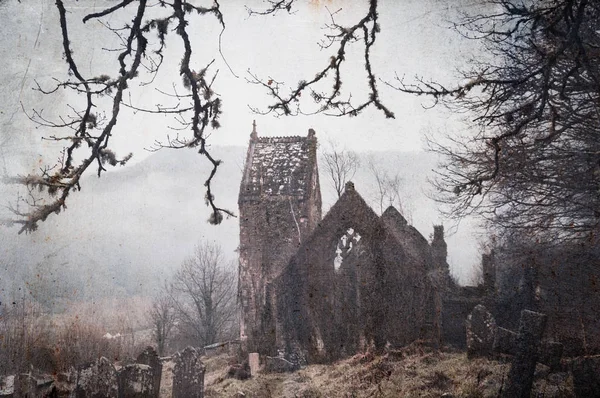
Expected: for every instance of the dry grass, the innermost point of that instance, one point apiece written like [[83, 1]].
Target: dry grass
[[415, 373]]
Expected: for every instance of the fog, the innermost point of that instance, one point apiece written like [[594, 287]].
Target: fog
[[124, 233]]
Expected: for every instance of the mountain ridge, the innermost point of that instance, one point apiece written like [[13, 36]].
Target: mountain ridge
[[128, 230]]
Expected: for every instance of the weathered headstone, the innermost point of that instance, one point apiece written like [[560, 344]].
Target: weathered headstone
[[99, 380], [586, 376], [136, 381], [520, 377], [481, 331], [150, 357], [188, 374], [253, 361]]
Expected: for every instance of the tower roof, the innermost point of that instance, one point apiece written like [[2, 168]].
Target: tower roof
[[279, 165]]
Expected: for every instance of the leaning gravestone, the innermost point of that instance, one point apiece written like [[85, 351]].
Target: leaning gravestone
[[150, 357], [99, 380], [481, 331], [528, 341], [136, 381], [188, 374]]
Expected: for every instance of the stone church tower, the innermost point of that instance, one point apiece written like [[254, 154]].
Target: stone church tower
[[279, 206]]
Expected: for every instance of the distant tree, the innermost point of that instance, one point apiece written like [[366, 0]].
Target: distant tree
[[388, 189], [23, 328], [532, 163], [340, 166], [205, 295], [163, 316]]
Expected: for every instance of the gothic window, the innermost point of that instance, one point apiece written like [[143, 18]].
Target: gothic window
[[345, 244]]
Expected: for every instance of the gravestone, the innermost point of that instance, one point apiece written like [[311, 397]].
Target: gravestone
[[188, 374], [136, 381], [150, 357], [481, 331], [98, 380], [253, 361], [528, 341]]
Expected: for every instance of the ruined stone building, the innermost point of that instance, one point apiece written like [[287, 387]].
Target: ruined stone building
[[355, 283], [326, 288]]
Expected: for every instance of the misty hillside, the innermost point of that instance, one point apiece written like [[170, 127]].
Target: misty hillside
[[124, 233]]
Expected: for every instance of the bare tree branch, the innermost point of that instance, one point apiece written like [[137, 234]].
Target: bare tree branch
[[88, 130], [329, 102]]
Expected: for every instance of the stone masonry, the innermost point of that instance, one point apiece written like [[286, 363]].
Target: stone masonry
[[312, 289], [279, 204]]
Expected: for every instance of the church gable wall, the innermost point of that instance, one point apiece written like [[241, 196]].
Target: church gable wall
[[375, 294]]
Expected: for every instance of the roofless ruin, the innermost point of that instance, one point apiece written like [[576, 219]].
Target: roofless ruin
[[316, 289]]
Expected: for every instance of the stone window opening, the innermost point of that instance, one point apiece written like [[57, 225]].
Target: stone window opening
[[344, 246]]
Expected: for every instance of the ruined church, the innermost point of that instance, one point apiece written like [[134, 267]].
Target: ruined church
[[326, 287]]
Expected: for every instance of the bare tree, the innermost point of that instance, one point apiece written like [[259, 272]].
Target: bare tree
[[531, 161], [205, 288], [340, 166], [388, 190], [163, 316]]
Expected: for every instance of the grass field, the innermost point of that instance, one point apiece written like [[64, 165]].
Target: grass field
[[412, 372]]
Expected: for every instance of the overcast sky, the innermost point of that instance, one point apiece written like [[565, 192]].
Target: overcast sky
[[415, 40]]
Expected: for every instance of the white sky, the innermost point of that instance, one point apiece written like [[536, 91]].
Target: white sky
[[415, 39]]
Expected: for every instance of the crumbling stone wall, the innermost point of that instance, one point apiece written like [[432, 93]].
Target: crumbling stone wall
[[332, 308], [427, 298]]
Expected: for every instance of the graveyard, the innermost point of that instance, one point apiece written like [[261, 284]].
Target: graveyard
[[329, 315], [413, 371], [415, 214]]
